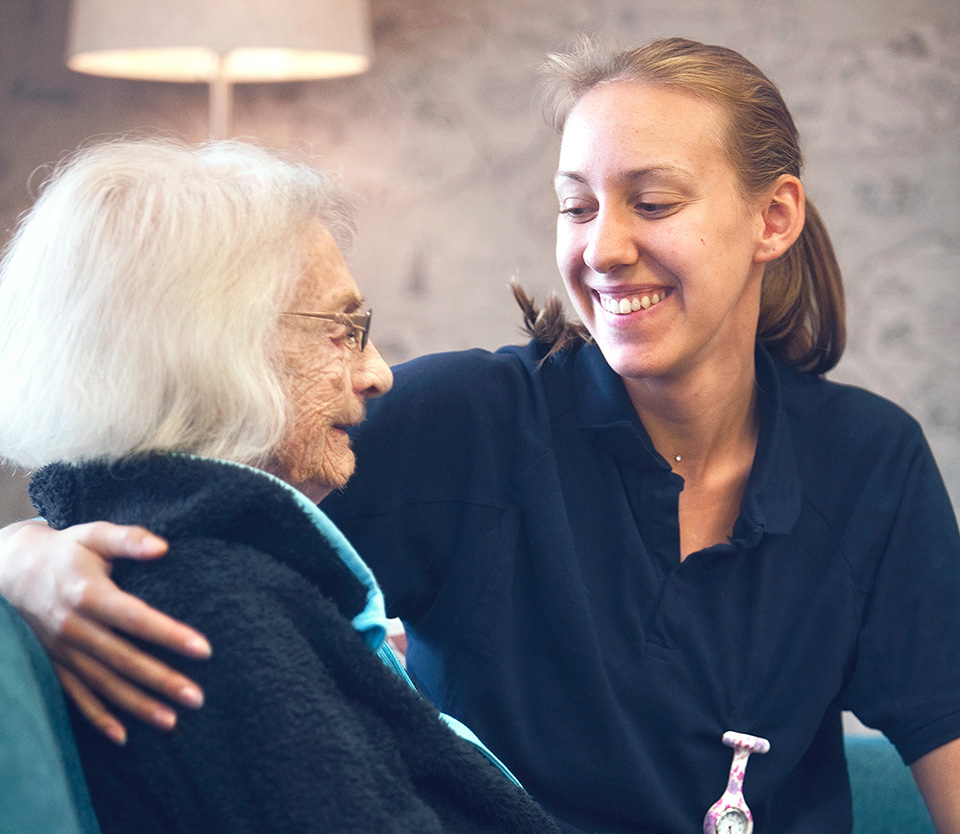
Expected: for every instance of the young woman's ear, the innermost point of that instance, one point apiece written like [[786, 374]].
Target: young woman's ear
[[783, 218]]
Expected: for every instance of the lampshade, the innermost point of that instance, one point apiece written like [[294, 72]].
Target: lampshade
[[221, 42], [197, 40]]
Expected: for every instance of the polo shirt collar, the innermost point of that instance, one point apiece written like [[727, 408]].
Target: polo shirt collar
[[607, 415], [772, 497]]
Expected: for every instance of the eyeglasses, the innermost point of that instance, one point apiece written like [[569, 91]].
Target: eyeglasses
[[357, 324]]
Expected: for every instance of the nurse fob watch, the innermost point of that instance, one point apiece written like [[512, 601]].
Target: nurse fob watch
[[730, 814]]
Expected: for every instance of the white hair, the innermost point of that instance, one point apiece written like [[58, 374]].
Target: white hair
[[139, 301]]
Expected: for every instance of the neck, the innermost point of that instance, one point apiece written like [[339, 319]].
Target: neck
[[699, 423]]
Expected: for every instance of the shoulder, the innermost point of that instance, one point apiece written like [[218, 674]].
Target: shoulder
[[441, 401], [514, 381], [456, 426], [456, 377], [845, 419], [218, 584], [229, 527], [866, 467]]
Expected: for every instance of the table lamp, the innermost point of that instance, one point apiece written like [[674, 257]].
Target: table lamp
[[219, 42]]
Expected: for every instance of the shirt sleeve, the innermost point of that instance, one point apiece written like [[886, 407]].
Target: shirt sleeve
[[436, 461], [906, 680]]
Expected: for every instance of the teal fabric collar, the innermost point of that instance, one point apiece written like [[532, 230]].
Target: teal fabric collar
[[371, 622]]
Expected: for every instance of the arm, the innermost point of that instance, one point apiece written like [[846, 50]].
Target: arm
[[60, 583], [938, 776]]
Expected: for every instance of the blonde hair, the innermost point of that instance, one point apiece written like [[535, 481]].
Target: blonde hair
[[802, 304], [139, 301]]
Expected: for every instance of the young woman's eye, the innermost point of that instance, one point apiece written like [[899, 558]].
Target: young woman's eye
[[655, 210], [574, 209]]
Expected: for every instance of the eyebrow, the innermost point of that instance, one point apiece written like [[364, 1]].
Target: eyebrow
[[630, 176], [347, 302]]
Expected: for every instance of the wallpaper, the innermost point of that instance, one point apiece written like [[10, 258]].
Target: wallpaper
[[444, 141]]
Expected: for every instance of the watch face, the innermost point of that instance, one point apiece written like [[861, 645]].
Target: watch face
[[732, 821]]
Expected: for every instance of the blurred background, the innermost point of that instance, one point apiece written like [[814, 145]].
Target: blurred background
[[444, 141]]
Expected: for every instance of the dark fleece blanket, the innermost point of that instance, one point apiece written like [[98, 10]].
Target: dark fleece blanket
[[304, 728]]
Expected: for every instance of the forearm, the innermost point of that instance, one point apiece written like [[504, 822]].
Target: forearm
[[938, 776]]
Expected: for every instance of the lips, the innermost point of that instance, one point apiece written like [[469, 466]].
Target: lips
[[350, 422]]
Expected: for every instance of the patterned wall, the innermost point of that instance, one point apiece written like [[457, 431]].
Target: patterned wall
[[445, 141]]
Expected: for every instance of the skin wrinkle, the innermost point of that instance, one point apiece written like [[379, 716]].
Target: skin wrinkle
[[327, 380]]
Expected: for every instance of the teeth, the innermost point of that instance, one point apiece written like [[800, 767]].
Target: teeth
[[623, 306]]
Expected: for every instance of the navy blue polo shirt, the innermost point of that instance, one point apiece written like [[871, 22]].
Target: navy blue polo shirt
[[522, 525]]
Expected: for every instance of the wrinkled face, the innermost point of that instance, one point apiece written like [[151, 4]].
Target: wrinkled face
[[327, 377], [655, 243]]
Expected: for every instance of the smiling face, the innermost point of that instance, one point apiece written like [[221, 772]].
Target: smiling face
[[655, 242], [327, 378]]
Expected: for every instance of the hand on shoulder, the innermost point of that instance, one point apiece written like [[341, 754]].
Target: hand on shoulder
[[60, 583]]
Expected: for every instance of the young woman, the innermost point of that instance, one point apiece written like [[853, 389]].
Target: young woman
[[621, 541]]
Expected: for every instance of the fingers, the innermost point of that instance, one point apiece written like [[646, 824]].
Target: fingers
[[83, 640], [90, 706], [93, 684], [103, 602], [113, 540], [60, 582]]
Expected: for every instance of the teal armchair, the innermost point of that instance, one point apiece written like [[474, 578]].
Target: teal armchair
[[42, 790], [886, 800]]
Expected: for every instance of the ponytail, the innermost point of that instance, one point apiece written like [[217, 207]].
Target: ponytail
[[548, 327]]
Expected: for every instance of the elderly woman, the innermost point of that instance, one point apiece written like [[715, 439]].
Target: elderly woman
[[183, 347]]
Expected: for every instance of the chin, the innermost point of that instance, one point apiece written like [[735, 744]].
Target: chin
[[335, 474], [317, 478], [628, 361]]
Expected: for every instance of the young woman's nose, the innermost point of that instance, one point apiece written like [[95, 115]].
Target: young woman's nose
[[611, 241]]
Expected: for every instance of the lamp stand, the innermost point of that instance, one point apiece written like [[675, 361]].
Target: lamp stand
[[221, 101]]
